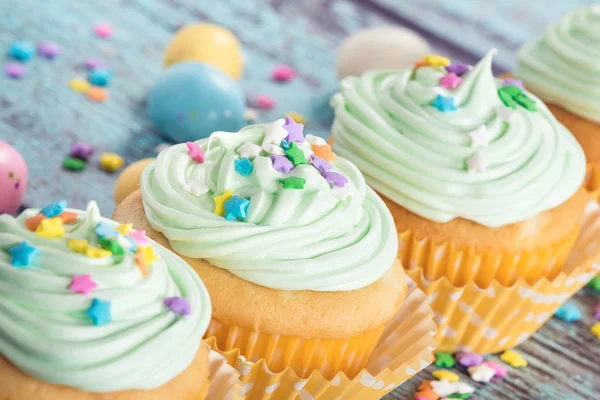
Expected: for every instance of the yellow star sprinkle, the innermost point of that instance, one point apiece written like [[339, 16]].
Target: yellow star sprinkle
[[111, 162], [51, 228], [596, 329], [124, 229], [148, 253], [436, 61], [513, 359], [78, 245], [220, 202], [441, 374], [96, 252]]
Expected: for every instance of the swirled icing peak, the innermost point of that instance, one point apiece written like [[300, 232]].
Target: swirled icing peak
[[563, 65], [448, 141], [88, 303], [273, 207]]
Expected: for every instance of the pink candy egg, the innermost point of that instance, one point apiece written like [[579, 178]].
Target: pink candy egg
[[13, 178]]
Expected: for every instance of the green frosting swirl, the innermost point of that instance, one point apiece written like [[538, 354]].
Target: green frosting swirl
[[321, 237], [563, 66], [417, 155], [44, 329]]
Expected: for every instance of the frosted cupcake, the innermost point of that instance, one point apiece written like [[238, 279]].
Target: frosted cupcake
[[298, 254], [481, 179], [90, 309], [562, 67]]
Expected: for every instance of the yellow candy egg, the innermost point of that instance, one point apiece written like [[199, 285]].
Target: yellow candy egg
[[207, 43]]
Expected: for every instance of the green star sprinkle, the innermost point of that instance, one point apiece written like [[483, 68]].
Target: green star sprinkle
[[595, 283], [293, 182], [507, 98], [526, 102], [512, 90], [460, 395], [112, 245], [445, 360], [74, 164], [295, 154]]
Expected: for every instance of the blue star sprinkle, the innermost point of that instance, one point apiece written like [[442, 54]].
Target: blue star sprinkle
[[285, 144], [444, 104], [54, 209], [99, 312], [568, 312], [236, 208], [243, 167], [104, 230], [22, 254]]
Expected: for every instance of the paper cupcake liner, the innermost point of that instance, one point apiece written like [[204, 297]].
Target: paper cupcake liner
[[224, 382], [303, 355], [462, 265], [405, 348], [499, 317], [592, 180]]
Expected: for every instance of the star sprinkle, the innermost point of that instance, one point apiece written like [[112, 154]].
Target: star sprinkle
[[315, 140], [513, 82], [274, 133], [195, 152], [112, 245], [481, 373], [477, 163], [450, 81], [104, 230], [285, 145], [52, 210], [597, 312], [124, 229], [524, 101], [220, 201], [426, 393], [96, 252], [444, 104], [139, 237], [324, 151], [99, 312], [513, 359], [22, 254], [82, 284], [445, 360], [480, 137], [458, 68], [78, 245], [140, 260], [320, 164], [499, 369], [273, 149], [505, 113], [249, 150], [236, 208], [149, 255], [294, 129], [51, 228], [282, 164], [443, 387], [436, 61], [293, 182], [469, 359], [594, 284], [195, 187], [335, 179], [463, 388], [32, 223], [442, 374], [295, 154], [243, 167], [568, 312], [68, 217], [178, 305], [595, 329]]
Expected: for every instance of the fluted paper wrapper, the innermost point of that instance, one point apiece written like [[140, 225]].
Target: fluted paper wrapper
[[592, 180], [405, 348], [224, 382], [499, 317]]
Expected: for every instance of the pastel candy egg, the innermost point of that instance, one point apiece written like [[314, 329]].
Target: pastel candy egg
[[13, 178], [207, 43], [379, 48], [190, 100]]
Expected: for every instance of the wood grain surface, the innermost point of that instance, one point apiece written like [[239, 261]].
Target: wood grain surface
[[41, 116]]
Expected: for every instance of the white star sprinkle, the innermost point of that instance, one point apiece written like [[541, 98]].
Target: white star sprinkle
[[274, 132], [481, 373], [195, 187], [480, 137], [505, 113], [273, 149], [251, 114], [343, 191], [477, 163], [306, 149], [315, 140], [443, 387], [462, 388], [249, 150]]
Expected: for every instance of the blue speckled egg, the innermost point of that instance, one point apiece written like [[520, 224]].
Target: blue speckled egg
[[190, 100]]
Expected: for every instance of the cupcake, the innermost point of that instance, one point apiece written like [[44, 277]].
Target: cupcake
[[89, 309], [297, 253], [482, 181], [563, 68]]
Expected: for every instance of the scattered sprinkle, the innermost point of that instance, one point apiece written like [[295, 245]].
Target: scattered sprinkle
[[32, 223], [420, 63], [78, 245], [82, 284], [111, 162], [264, 101], [54, 209], [220, 201], [458, 68], [463, 388], [293, 182], [299, 118], [243, 167], [22, 254], [467, 359], [124, 229], [195, 187], [74, 164], [93, 63], [513, 359], [273, 149], [282, 163], [595, 329], [49, 50], [103, 30], [444, 104], [140, 259], [99, 312], [21, 50], [139, 237], [105, 230], [295, 154], [335, 178], [568, 312], [597, 312], [506, 98], [274, 133], [100, 76], [79, 85], [443, 387], [315, 140], [236, 208], [477, 163], [524, 101], [513, 82], [14, 70], [97, 94], [436, 61], [178, 305], [499, 369], [594, 284], [68, 217], [295, 131], [450, 81], [249, 150], [445, 360], [112, 245], [283, 73], [443, 374], [251, 114], [148, 253], [51, 228], [285, 145], [481, 373], [320, 164], [97, 252], [324, 151], [195, 152], [80, 150], [480, 137]]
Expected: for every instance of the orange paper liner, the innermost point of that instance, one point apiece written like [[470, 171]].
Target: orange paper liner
[[303, 355], [224, 382], [462, 265], [592, 180], [499, 317], [405, 348]]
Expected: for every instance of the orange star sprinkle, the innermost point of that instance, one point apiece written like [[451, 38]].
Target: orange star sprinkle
[[421, 63], [32, 223], [68, 217], [140, 258], [427, 394], [324, 151], [425, 385]]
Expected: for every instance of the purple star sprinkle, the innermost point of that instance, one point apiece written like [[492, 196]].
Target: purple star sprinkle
[[458, 68], [320, 164], [469, 359], [335, 179], [597, 312], [513, 82], [49, 49], [295, 130], [178, 305], [282, 163], [83, 151], [15, 70]]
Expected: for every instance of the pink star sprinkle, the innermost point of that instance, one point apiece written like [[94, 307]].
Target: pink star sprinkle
[[499, 369], [139, 237], [264, 101], [103, 30], [450, 81], [195, 152], [597, 312], [283, 73], [82, 284]]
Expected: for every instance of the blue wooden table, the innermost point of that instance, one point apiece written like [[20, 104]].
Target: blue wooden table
[[41, 116]]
